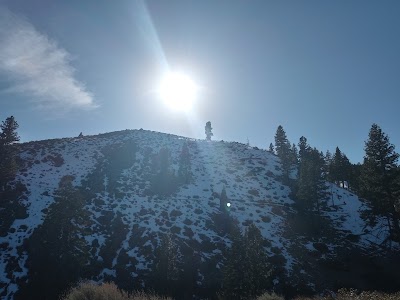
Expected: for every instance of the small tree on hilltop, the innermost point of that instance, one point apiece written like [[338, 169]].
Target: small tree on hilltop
[[208, 131]]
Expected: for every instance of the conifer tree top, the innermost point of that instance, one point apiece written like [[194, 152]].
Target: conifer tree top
[[208, 131], [9, 133]]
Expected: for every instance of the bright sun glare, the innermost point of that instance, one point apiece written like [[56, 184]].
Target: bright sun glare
[[178, 91]]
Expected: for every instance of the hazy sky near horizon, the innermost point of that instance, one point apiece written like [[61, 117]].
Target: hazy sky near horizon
[[323, 69]]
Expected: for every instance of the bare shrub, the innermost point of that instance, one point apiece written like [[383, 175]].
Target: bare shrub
[[268, 296], [106, 291]]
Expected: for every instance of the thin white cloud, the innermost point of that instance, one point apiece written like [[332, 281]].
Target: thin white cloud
[[38, 67]]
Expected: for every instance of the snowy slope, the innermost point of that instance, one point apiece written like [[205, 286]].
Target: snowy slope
[[346, 210], [249, 175]]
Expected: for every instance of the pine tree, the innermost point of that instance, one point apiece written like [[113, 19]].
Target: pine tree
[[328, 157], [164, 158], [163, 180], [234, 267], [346, 171], [303, 148], [246, 273], [165, 271], [378, 177], [8, 137], [283, 151], [185, 169], [310, 184], [58, 254], [355, 176], [223, 201], [258, 270], [190, 273], [334, 169], [271, 148], [9, 133], [339, 168], [208, 131], [295, 155], [327, 164]]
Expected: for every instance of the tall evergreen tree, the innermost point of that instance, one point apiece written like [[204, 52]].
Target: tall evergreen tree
[[234, 267], [355, 176], [335, 166], [185, 168], [223, 201], [258, 271], [190, 272], [340, 168], [303, 148], [346, 171], [378, 177], [295, 154], [208, 131], [283, 151], [9, 133], [282, 144], [58, 254], [246, 272], [164, 160], [8, 137], [163, 180], [328, 162], [328, 157], [310, 184], [165, 270]]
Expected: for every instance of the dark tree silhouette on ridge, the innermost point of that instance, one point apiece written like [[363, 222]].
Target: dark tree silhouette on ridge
[[208, 131]]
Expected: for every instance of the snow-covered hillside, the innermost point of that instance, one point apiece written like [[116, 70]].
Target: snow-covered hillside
[[249, 175]]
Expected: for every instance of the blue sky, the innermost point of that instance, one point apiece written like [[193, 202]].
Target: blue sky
[[323, 69]]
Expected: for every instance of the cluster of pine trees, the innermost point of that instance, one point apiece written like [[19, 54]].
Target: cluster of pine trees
[[245, 274], [164, 180], [377, 179]]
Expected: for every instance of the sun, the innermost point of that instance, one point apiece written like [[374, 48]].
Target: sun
[[178, 91]]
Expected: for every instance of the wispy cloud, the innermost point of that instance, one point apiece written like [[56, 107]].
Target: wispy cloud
[[38, 67]]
